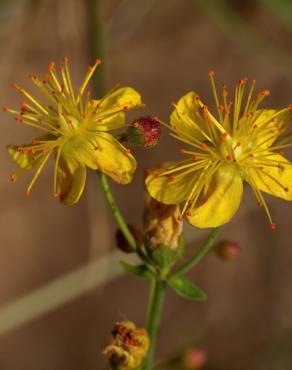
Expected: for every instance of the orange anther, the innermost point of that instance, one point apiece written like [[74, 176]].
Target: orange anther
[[125, 107], [136, 124], [172, 177], [286, 190], [56, 194], [273, 226], [211, 73], [188, 213], [97, 61], [179, 218], [254, 82], [66, 59], [203, 146], [182, 151], [229, 157], [12, 178], [51, 66], [195, 157], [5, 109], [27, 194]]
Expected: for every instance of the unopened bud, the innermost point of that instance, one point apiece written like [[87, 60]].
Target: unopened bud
[[128, 347], [194, 359], [122, 242], [227, 249], [162, 225], [144, 132]]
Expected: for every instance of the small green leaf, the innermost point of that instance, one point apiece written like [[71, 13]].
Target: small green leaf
[[184, 287], [137, 270]]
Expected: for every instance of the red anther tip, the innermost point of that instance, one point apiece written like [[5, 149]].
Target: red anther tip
[[97, 61], [182, 151], [229, 157], [12, 178], [179, 218], [286, 190], [195, 157], [211, 73], [273, 226], [136, 124], [5, 109], [66, 59], [15, 85], [203, 146], [56, 195], [254, 82], [27, 194], [157, 175], [290, 106], [51, 66], [188, 213], [172, 177], [128, 151], [61, 68], [125, 107]]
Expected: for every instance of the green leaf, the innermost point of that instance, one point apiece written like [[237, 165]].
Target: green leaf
[[137, 270], [184, 287]]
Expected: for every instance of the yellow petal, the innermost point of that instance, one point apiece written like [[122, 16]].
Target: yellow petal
[[186, 117], [119, 99], [222, 200], [24, 160], [269, 125], [273, 180], [71, 182], [112, 158], [172, 188]]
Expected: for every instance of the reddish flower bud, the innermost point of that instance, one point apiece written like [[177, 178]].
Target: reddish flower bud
[[227, 249], [144, 131], [194, 359], [122, 242]]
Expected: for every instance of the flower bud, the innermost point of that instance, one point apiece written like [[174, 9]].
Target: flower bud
[[162, 225], [227, 249], [122, 242], [129, 346], [194, 359], [144, 132]]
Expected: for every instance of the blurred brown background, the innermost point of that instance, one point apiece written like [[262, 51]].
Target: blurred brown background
[[50, 320]]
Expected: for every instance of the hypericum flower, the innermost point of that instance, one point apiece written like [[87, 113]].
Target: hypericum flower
[[75, 130], [239, 144]]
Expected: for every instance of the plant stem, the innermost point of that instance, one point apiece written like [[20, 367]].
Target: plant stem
[[156, 299], [116, 212], [97, 49], [200, 254]]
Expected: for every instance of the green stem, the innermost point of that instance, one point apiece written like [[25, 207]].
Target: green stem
[[116, 212], [153, 318], [97, 49], [200, 254]]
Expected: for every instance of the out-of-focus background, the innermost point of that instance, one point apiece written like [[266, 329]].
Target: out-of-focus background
[[61, 288]]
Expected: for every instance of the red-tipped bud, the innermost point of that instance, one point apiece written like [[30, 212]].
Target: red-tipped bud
[[194, 359], [227, 249], [144, 131], [122, 242]]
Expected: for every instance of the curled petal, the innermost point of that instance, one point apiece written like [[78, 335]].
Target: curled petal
[[186, 118], [121, 99], [112, 158], [273, 176], [24, 159], [172, 188], [269, 125], [71, 182], [222, 201]]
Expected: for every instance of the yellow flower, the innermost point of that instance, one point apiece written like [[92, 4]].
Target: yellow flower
[[239, 144], [76, 130]]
